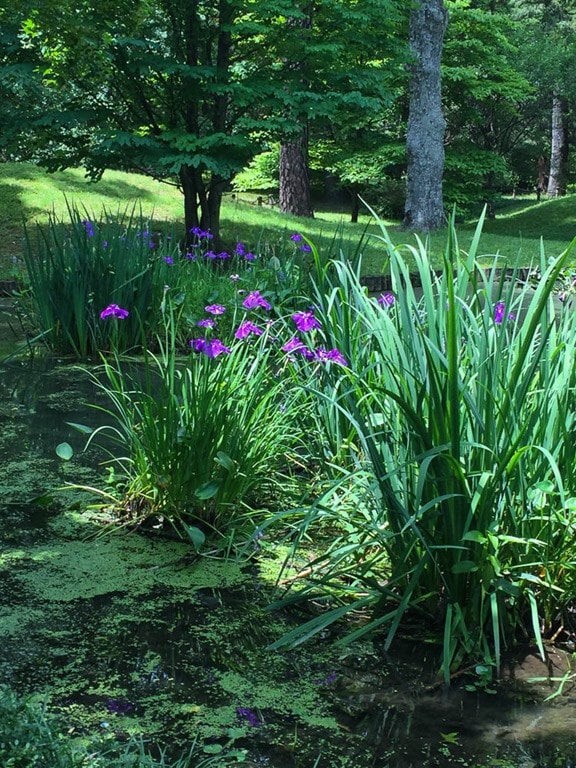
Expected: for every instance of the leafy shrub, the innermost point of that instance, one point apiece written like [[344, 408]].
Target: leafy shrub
[[473, 176], [261, 173]]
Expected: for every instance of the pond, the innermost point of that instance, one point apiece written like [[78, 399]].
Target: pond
[[132, 633]]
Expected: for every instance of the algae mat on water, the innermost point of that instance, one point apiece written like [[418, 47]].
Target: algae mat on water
[[136, 634], [127, 634]]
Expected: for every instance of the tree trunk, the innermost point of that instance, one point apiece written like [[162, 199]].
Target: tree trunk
[[355, 208], [559, 149], [294, 195], [201, 207], [424, 209], [294, 180]]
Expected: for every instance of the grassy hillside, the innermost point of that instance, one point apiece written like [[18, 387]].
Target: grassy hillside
[[28, 194]]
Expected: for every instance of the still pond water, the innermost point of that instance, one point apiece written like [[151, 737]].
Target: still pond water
[[136, 634]]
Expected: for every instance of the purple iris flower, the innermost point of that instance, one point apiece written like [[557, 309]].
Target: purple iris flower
[[305, 321], [206, 234], [330, 678], [295, 345], [306, 248], [500, 311], [254, 300], [89, 228], [249, 256], [210, 347], [240, 249], [113, 310], [168, 259], [249, 716], [215, 309], [331, 355], [208, 322], [246, 328], [296, 238], [387, 299]]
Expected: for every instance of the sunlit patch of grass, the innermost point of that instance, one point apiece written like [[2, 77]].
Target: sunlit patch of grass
[[28, 194]]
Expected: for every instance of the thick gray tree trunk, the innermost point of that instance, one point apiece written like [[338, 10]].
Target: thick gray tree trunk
[[294, 182], [559, 149], [424, 209]]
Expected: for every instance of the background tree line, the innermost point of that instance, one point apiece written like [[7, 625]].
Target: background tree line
[[294, 93]]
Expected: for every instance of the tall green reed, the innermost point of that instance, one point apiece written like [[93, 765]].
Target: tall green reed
[[78, 268], [457, 502], [206, 440]]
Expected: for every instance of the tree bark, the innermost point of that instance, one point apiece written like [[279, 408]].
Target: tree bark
[[355, 206], [202, 206], [559, 149], [294, 181], [424, 209], [294, 194]]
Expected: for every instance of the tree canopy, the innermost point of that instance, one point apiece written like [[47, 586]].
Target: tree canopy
[[190, 91]]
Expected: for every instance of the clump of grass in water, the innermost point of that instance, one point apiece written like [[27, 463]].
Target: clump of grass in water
[[78, 271], [209, 440], [458, 501]]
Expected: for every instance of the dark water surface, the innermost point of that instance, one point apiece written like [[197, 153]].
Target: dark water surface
[[132, 633]]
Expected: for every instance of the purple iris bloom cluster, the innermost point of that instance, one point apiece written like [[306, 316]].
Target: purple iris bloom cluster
[[247, 715], [304, 246], [387, 299], [210, 347], [89, 228], [306, 322], [255, 300]]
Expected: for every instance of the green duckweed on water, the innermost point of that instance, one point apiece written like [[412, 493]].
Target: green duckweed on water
[[141, 620], [130, 633]]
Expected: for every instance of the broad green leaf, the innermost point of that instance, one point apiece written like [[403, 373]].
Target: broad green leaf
[[208, 490], [197, 536], [64, 451], [80, 427], [474, 536], [225, 461]]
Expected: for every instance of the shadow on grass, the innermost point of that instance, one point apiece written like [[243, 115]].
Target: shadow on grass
[[553, 219], [71, 181]]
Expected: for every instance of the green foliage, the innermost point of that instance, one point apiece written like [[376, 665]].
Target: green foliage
[[190, 91], [32, 738], [77, 269], [473, 175], [459, 506], [205, 440], [261, 173]]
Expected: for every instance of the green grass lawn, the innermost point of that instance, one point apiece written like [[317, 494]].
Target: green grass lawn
[[28, 194]]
